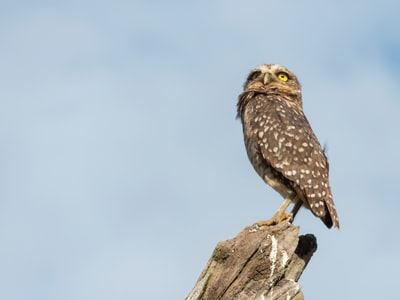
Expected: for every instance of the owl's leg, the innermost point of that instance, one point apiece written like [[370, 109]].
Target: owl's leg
[[296, 207], [279, 216]]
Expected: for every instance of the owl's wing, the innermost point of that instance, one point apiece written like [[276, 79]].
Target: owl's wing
[[289, 145]]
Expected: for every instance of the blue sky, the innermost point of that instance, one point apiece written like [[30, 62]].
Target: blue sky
[[122, 162]]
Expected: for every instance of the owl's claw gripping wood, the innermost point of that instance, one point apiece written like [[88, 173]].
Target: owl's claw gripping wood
[[280, 216], [276, 219]]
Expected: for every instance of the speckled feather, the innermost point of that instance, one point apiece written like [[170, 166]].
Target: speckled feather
[[281, 145]]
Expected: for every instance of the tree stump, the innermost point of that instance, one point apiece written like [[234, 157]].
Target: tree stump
[[259, 263]]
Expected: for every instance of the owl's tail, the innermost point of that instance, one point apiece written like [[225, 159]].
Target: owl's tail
[[330, 218]]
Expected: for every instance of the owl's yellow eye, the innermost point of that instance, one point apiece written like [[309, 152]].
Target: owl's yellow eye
[[283, 76]]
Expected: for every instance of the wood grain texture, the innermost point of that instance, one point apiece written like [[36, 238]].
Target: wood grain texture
[[259, 263]]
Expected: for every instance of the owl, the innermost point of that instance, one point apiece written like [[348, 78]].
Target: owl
[[281, 145]]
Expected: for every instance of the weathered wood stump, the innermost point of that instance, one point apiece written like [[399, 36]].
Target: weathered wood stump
[[259, 263]]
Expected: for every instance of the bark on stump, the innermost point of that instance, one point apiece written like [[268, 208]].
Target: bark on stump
[[259, 263]]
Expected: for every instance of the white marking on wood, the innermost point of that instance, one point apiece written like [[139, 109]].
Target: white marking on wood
[[285, 258], [273, 254]]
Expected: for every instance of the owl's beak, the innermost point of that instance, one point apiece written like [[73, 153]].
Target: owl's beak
[[267, 78]]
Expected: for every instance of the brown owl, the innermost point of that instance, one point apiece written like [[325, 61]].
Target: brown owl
[[281, 145]]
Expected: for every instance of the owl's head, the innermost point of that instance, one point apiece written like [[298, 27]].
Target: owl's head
[[273, 78]]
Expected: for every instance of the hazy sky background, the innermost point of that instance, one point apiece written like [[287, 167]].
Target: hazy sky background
[[122, 164]]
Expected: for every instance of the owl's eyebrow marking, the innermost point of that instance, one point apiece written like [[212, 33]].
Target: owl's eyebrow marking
[[264, 68]]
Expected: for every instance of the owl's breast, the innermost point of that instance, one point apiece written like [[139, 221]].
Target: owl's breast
[[262, 120], [265, 170]]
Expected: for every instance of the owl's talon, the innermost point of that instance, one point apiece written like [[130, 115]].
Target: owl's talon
[[285, 217]]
